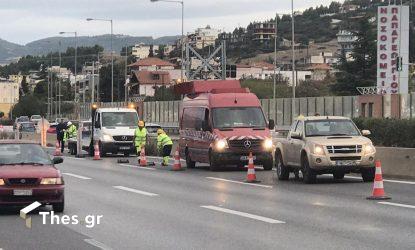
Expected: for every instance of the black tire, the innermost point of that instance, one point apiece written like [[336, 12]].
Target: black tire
[[309, 176], [189, 162], [368, 174], [59, 207], [213, 165], [283, 172], [338, 176], [91, 149], [126, 154]]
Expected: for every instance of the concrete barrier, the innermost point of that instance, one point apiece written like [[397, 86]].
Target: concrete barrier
[[397, 162]]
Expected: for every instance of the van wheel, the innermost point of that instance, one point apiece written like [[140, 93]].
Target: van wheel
[[189, 162], [283, 172], [309, 177]]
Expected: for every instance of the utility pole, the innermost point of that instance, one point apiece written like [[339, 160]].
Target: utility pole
[[293, 58], [60, 79], [126, 75], [275, 63]]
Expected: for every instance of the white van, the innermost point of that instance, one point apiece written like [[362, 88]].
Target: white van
[[114, 130]]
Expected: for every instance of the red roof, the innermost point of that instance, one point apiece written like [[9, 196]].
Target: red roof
[[151, 61], [153, 77], [319, 66], [264, 65]]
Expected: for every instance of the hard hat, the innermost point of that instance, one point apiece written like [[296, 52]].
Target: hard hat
[[160, 131], [141, 123], [69, 123]]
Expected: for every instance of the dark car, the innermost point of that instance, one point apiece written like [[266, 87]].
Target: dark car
[[28, 127], [27, 174]]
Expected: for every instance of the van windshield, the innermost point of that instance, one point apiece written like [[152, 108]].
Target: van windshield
[[238, 117], [119, 119]]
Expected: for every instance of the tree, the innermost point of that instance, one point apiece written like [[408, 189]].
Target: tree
[[1, 114], [151, 51], [361, 70], [29, 105], [24, 87]]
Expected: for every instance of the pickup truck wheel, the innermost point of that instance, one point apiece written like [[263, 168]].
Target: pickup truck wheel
[[102, 153], [368, 174], [309, 177], [189, 162], [338, 176], [283, 172]]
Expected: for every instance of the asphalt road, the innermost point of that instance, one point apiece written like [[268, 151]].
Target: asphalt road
[[154, 208]]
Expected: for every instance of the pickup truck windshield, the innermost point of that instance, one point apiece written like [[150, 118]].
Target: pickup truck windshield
[[330, 128], [238, 117], [119, 119]]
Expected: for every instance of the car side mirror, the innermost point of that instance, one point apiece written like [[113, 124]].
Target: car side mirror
[[271, 124], [296, 135], [97, 125], [57, 160], [366, 132]]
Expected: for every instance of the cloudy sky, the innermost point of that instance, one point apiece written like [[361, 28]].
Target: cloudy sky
[[22, 21]]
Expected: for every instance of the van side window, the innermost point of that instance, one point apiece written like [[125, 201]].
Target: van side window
[[193, 118]]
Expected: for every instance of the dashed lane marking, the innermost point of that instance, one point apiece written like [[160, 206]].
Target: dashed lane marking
[[396, 204], [77, 176], [138, 167], [243, 214], [132, 190], [239, 182], [385, 180], [98, 244]]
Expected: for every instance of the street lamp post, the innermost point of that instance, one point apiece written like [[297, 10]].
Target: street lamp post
[[182, 39], [293, 57], [112, 53], [76, 56], [275, 63]]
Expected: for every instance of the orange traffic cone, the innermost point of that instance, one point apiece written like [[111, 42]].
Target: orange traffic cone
[[251, 176], [177, 164], [378, 190], [57, 149], [142, 159], [97, 154]]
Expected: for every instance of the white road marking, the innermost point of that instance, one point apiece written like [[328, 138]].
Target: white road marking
[[135, 191], [74, 158], [78, 176], [239, 182], [243, 214], [97, 244], [396, 204], [138, 167], [385, 180]]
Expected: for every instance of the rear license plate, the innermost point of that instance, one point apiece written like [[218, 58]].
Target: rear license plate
[[124, 148], [22, 192], [245, 158], [345, 163]]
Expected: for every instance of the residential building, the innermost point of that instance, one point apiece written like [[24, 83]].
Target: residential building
[[324, 57], [345, 8], [320, 71], [16, 78], [141, 51], [203, 37], [346, 40], [151, 63], [9, 95], [262, 31], [144, 82]]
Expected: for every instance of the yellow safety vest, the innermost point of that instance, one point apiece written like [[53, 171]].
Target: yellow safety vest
[[140, 136], [163, 140]]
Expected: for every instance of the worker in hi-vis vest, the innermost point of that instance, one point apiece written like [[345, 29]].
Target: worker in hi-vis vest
[[164, 144], [140, 136]]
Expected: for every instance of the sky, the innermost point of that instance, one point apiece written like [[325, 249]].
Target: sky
[[23, 21]]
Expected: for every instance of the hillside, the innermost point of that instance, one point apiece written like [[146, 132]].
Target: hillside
[[9, 50]]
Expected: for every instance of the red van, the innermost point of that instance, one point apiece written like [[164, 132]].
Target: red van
[[221, 123]]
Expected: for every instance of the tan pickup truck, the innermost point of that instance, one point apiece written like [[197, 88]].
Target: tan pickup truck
[[324, 145]]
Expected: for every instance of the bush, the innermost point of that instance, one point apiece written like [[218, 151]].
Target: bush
[[389, 132]]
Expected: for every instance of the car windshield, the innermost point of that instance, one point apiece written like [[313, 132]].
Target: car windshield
[[24, 154], [330, 128], [36, 117], [152, 129], [28, 125], [23, 119], [238, 117], [119, 119]]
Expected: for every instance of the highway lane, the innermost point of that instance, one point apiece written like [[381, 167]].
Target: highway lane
[[160, 209]]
